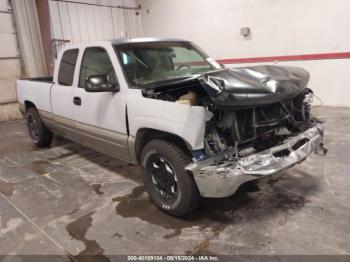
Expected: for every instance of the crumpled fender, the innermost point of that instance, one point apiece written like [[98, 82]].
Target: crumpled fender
[[255, 85]]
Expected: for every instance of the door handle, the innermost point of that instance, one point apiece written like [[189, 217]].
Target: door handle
[[77, 100]]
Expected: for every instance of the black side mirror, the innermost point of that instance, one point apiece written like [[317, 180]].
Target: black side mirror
[[100, 83]]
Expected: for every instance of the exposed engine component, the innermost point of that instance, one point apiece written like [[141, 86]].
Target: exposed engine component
[[252, 107], [190, 93], [188, 99], [260, 127]]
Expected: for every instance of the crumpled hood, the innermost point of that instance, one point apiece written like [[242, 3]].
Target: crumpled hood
[[255, 85]]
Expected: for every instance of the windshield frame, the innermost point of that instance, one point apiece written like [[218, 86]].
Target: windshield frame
[[133, 85]]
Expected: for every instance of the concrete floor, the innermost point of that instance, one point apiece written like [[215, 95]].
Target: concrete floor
[[71, 200]]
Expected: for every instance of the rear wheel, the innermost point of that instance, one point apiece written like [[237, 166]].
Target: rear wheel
[[170, 187], [39, 134]]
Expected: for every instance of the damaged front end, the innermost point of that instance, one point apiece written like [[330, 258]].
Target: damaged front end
[[261, 123], [229, 170]]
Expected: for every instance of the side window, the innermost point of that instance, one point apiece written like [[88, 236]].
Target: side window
[[96, 61], [67, 67]]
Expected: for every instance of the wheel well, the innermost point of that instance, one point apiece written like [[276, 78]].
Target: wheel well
[[145, 135], [28, 104]]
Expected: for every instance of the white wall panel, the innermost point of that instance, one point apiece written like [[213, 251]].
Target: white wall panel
[[8, 45], [3, 5], [277, 27], [6, 23], [10, 67], [7, 89]]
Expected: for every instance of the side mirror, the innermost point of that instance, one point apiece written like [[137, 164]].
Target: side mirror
[[100, 83]]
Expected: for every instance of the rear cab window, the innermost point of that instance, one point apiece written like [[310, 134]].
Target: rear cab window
[[67, 67]]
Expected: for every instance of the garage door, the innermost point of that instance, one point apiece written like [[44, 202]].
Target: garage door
[[10, 65]]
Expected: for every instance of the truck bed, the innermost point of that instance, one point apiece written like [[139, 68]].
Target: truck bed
[[37, 91]]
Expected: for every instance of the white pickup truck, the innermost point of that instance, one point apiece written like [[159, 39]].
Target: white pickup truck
[[195, 128]]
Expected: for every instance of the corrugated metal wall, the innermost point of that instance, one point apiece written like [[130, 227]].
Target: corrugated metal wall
[[29, 38], [95, 20]]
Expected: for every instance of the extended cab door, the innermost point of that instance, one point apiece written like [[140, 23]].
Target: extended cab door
[[100, 117], [62, 92]]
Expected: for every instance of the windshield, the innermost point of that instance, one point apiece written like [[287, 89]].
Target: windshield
[[146, 63]]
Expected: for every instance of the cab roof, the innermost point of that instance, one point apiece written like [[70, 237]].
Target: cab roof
[[145, 40], [120, 41]]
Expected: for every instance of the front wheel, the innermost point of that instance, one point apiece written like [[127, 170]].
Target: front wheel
[[170, 187]]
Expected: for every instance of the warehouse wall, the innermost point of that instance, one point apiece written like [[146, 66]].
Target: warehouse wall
[[278, 28], [77, 22], [29, 38]]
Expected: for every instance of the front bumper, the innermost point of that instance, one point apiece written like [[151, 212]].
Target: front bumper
[[220, 176]]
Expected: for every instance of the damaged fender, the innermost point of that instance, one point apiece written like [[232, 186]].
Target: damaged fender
[[256, 85]]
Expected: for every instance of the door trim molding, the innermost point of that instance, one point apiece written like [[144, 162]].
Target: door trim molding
[[100, 139]]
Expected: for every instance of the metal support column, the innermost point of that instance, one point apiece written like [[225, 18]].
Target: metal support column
[[42, 7]]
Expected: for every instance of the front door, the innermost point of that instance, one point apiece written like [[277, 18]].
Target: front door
[[99, 117]]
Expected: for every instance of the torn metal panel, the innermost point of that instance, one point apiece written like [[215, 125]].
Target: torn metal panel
[[256, 85]]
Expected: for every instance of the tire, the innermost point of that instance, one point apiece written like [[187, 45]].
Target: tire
[[156, 159], [39, 134]]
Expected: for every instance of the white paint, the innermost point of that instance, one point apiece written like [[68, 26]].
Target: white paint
[[187, 122], [97, 109], [36, 92], [108, 109], [277, 28]]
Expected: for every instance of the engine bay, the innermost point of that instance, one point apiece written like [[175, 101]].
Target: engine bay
[[237, 125], [258, 127]]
